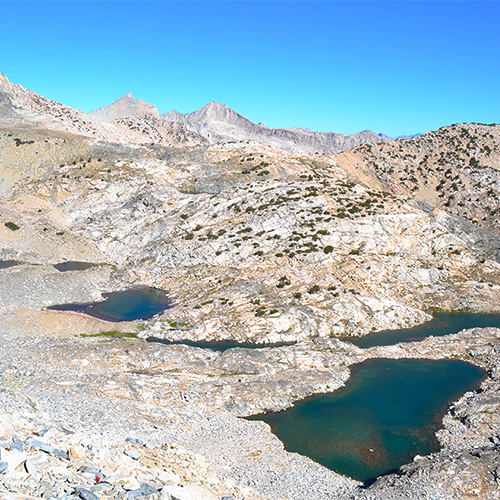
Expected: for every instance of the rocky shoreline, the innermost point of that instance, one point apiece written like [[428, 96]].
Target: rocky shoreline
[[179, 406]]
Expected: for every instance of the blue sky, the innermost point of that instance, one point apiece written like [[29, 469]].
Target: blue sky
[[394, 67]]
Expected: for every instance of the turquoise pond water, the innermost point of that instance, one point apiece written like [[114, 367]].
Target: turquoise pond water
[[72, 265], [222, 345], [387, 413], [441, 324], [129, 305], [4, 264]]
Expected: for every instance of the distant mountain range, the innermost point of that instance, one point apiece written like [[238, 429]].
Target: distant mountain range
[[130, 120]]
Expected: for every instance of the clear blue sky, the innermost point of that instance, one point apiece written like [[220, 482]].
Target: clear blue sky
[[394, 67]]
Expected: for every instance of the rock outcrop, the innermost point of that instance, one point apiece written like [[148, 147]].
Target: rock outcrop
[[21, 107]]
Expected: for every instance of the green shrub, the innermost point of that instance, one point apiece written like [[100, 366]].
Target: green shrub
[[283, 281], [12, 226], [328, 249], [260, 311]]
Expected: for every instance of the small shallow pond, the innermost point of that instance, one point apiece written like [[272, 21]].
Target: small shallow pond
[[387, 413], [4, 264], [72, 265], [222, 345], [129, 305], [441, 324]]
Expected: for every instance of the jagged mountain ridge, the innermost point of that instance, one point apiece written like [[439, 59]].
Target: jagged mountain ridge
[[219, 123], [130, 120], [216, 122], [127, 120]]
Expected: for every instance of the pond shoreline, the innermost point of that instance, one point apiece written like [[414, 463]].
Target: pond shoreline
[[375, 402]]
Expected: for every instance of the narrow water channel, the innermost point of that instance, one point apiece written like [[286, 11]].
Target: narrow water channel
[[441, 324], [5, 264], [216, 345], [386, 414]]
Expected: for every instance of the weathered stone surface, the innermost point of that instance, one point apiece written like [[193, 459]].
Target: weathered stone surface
[[85, 494]]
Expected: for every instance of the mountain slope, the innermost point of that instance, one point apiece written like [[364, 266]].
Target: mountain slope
[[127, 120], [456, 168], [140, 122], [135, 121], [22, 107]]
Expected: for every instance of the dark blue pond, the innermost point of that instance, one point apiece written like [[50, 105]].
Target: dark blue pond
[[222, 345], [388, 412], [72, 265], [4, 264], [129, 305], [441, 324]]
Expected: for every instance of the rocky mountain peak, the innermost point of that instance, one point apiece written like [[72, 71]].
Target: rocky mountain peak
[[174, 116], [133, 120], [125, 107], [217, 112]]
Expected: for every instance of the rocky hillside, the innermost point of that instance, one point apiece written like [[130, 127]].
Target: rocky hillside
[[127, 121], [256, 244], [455, 168], [252, 242]]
